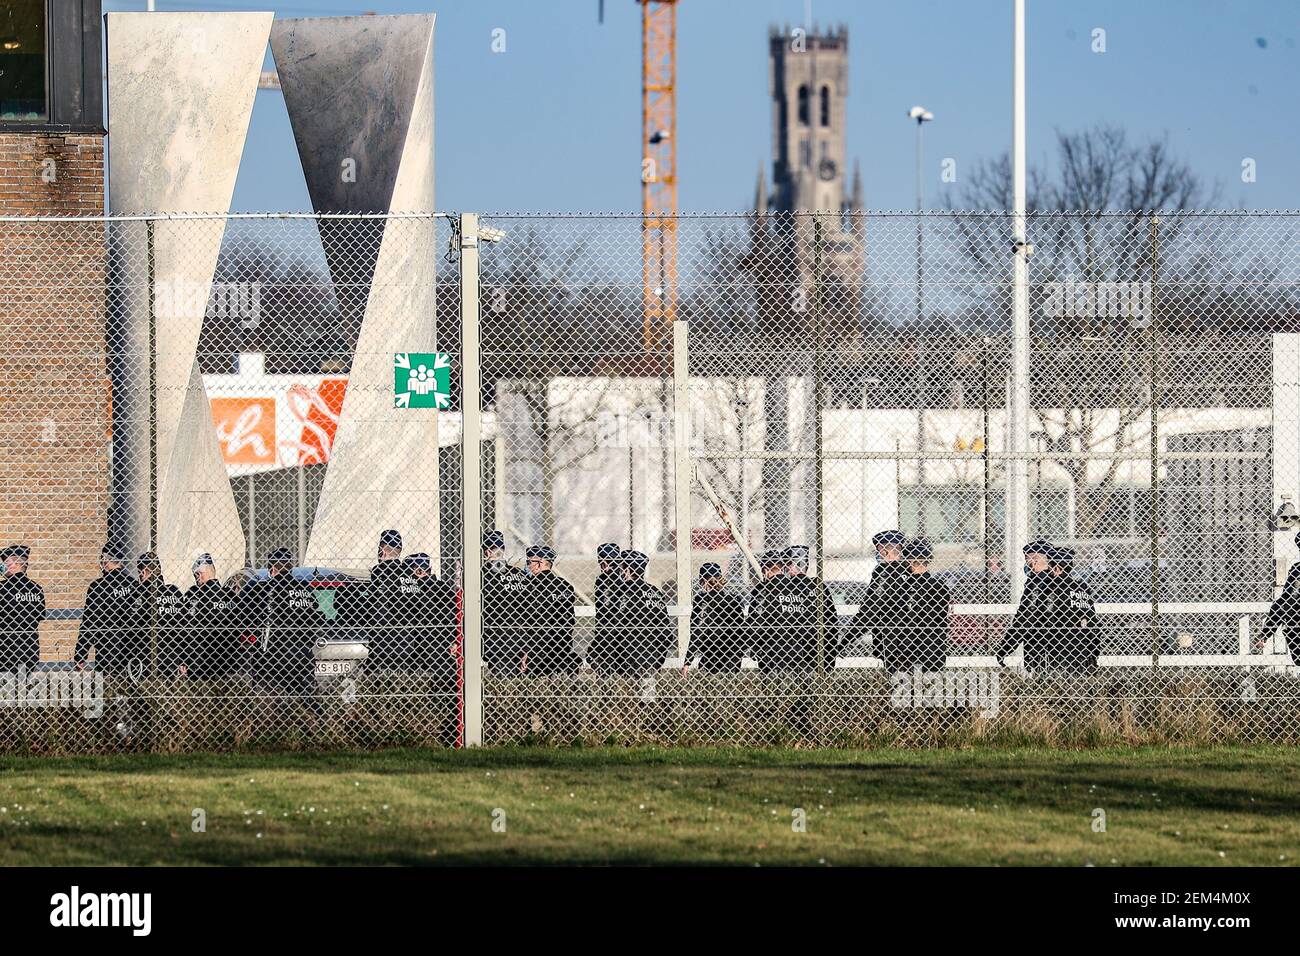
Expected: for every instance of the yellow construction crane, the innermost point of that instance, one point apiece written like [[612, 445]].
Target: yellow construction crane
[[658, 169]]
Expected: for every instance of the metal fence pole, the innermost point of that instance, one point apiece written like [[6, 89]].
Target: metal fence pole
[[471, 483], [1017, 493], [682, 480], [150, 267], [1153, 386], [818, 461], [302, 508]]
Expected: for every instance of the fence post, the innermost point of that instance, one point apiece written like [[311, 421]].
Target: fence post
[[818, 460], [1017, 482], [682, 480], [1153, 386], [471, 507], [150, 267]]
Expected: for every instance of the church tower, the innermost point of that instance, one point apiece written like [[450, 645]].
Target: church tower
[[808, 79]]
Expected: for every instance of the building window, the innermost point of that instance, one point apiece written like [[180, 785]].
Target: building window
[[22, 61], [805, 153], [826, 106], [803, 106]]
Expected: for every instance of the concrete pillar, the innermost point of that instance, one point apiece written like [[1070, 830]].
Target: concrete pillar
[[180, 94], [359, 92]]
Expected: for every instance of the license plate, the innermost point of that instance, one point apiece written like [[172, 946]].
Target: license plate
[[334, 668]]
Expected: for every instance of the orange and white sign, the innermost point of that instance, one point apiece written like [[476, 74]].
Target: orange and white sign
[[246, 430]]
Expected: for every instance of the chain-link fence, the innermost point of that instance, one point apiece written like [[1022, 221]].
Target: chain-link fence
[[779, 491], [234, 534]]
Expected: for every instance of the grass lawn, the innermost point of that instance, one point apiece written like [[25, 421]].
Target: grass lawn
[[1218, 806]]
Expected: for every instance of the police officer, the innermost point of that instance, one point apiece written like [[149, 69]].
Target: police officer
[[609, 578], [161, 605], [917, 636], [549, 646], [1285, 612], [717, 622], [1036, 563], [883, 597], [378, 618], [641, 630], [285, 619], [429, 619], [1056, 620], [210, 648], [782, 621], [108, 637], [22, 608], [819, 595], [505, 596], [432, 643]]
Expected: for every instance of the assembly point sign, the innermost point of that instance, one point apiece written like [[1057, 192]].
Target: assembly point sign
[[422, 380]]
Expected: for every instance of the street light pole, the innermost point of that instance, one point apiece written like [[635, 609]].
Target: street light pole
[[922, 116], [1017, 509]]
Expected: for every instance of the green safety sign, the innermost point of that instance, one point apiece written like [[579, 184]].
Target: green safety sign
[[422, 380]]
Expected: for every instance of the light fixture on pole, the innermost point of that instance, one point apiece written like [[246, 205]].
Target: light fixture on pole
[[922, 116]]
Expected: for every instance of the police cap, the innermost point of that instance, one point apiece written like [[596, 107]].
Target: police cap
[[280, 557], [419, 562], [492, 540], [540, 552], [889, 537], [16, 551], [1038, 546], [634, 560], [112, 552], [201, 560], [390, 539], [797, 554], [1062, 556], [918, 549], [710, 569], [770, 559], [608, 552]]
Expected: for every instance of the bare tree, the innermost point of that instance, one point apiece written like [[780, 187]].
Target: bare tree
[[1094, 275]]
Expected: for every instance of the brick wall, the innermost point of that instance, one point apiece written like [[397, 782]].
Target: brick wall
[[54, 393]]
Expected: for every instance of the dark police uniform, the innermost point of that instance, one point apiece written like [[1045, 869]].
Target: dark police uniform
[[1285, 611], [717, 626], [1036, 579], [883, 599], [549, 637], [381, 619], [22, 608], [286, 620], [782, 621], [606, 588], [173, 619], [916, 633], [641, 631], [1057, 622], [505, 598], [211, 648], [110, 623], [820, 600], [427, 619]]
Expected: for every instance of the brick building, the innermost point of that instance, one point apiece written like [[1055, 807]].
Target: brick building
[[54, 387]]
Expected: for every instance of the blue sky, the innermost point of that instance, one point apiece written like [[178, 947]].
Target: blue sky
[[553, 123]]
